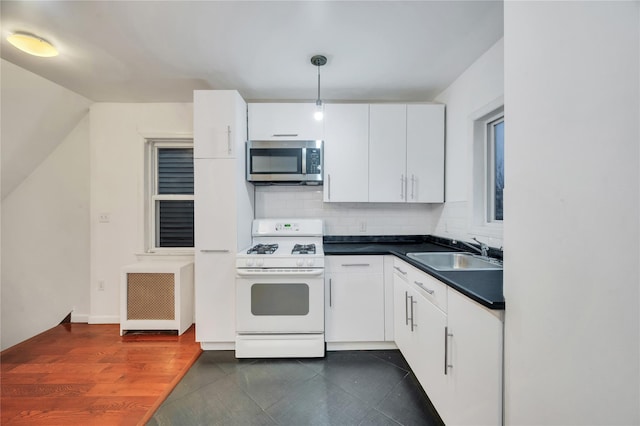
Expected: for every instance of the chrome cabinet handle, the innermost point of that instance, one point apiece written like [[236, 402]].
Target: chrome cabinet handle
[[229, 139], [412, 323], [413, 182], [446, 350], [406, 309], [214, 251], [329, 187], [284, 135], [399, 270], [356, 264], [402, 187], [330, 285], [421, 285]]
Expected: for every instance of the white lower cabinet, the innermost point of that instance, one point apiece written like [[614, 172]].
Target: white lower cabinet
[[475, 359], [419, 330], [453, 345], [354, 299]]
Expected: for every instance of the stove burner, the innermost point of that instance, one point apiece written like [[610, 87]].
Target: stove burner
[[263, 249], [304, 249]]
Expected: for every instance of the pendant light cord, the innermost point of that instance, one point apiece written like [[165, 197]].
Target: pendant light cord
[[318, 101]]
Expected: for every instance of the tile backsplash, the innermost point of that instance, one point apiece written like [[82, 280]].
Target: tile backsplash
[[344, 218]]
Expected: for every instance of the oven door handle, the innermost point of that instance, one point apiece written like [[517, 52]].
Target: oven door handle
[[278, 272]]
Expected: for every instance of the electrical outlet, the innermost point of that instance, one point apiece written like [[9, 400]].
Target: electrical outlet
[[101, 285], [104, 218], [363, 226]]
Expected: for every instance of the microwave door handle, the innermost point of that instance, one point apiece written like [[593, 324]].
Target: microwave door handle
[[304, 161]]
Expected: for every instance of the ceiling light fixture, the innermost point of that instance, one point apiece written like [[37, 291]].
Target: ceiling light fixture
[[32, 44], [318, 61]]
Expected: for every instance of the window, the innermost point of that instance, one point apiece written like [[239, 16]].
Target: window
[[487, 203], [495, 169], [171, 198]]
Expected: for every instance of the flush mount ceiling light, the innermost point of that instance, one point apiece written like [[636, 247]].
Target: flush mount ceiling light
[[32, 44], [318, 61]]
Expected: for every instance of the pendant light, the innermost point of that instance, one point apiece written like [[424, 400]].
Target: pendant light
[[318, 61], [32, 44]]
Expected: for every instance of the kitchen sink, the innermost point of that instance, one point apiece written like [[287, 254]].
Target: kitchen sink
[[455, 261]]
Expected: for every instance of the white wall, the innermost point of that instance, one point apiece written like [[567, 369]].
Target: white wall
[[344, 218], [480, 85], [45, 242], [118, 134], [572, 277], [45, 203], [37, 115]]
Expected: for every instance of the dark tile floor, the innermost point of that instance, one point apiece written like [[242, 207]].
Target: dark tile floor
[[344, 388]]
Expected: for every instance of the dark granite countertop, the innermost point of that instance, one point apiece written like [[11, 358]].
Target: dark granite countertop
[[485, 287]]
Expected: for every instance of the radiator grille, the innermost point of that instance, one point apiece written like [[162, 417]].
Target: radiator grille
[[150, 296]]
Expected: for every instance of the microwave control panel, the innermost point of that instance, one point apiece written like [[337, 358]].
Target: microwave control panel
[[314, 161]]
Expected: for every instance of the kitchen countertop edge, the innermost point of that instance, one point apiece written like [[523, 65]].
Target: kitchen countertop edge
[[399, 246]]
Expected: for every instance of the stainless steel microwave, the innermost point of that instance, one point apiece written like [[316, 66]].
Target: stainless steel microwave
[[285, 162]]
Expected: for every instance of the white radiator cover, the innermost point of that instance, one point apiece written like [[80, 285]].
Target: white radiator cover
[[156, 296]]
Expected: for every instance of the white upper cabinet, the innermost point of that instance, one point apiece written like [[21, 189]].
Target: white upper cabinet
[[346, 153], [387, 152], [425, 153], [215, 125], [406, 153], [284, 121]]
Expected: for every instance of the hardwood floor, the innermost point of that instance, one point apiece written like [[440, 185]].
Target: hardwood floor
[[88, 374]]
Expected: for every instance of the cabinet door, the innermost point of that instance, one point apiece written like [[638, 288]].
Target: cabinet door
[[430, 327], [346, 153], [215, 126], [215, 296], [354, 299], [475, 356], [401, 329], [284, 121], [425, 153], [215, 206], [387, 153]]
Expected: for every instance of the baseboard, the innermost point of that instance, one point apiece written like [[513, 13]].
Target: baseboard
[[218, 346], [104, 319], [360, 346], [84, 318]]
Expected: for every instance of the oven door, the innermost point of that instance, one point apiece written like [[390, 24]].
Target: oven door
[[280, 303]]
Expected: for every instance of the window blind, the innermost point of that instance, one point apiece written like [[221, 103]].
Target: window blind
[[175, 171], [174, 220]]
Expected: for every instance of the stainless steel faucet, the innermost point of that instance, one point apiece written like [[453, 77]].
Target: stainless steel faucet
[[483, 250]]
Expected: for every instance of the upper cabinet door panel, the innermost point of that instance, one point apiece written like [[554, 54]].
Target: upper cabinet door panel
[[215, 213], [284, 121], [425, 153], [346, 153], [387, 152], [215, 125]]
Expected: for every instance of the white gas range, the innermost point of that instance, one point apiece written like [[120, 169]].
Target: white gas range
[[280, 290]]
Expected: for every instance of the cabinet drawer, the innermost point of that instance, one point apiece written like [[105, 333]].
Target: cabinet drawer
[[354, 264], [401, 269], [432, 289]]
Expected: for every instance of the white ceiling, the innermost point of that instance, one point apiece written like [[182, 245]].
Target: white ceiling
[[160, 51]]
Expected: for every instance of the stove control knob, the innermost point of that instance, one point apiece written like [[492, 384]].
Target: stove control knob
[[249, 262], [310, 262], [299, 262], [259, 262]]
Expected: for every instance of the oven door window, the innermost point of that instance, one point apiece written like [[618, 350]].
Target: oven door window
[[280, 299], [276, 161]]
